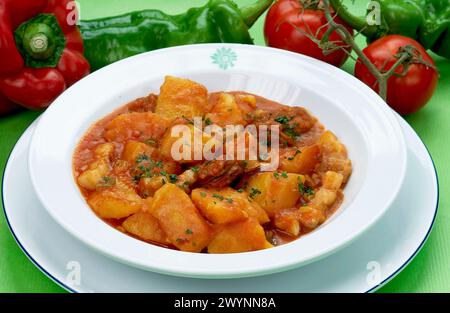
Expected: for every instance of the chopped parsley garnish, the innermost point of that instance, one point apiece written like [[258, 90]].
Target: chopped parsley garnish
[[173, 178], [301, 186], [284, 175], [288, 129], [195, 169], [220, 197], [283, 119], [297, 152], [208, 121], [203, 194], [144, 168], [254, 192], [189, 231], [309, 191], [147, 174], [141, 158], [304, 190], [276, 175], [240, 190]]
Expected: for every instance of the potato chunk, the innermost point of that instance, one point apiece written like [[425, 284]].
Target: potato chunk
[[149, 185], [237, 237], [98, 169], [118, 201], [311, 217], [137, 126], [314, 213], [179, 218], [93, 176], [327, 194], [331, 144], [104, 151], [226, 111], [226, 205], [133, 149], [334, 156], [332, 181], [287, 220], [181, 98], [275, 191], [301, 161], [146, 227], [252, 208], [247, 99]]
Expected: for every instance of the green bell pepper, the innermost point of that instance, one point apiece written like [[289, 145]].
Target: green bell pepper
[[427, 21], [111, 39]]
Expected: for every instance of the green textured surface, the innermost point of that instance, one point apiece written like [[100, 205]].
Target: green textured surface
[[428, 272]]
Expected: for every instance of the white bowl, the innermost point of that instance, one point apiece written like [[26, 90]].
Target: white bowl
[[359, 117]]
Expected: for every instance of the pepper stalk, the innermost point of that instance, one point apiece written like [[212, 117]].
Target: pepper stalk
[[41, 41], [358, 22], [252, 12]]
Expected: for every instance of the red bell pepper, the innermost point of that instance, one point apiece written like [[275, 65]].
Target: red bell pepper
[[41, 51], [6, 106]]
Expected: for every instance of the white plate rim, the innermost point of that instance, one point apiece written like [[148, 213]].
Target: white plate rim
[[373, 289]]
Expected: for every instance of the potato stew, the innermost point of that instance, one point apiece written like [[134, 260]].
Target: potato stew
[[126, 170]]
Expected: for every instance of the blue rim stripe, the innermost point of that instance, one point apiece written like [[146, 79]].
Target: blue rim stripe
[[64, 286]]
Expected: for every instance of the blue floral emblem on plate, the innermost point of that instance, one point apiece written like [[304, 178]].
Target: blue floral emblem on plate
[[224, 57]]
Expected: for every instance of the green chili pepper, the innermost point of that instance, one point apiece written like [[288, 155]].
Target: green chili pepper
[[427, 21], [111, 39]]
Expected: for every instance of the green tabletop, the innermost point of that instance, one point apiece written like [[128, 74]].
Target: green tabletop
[[428, 272]]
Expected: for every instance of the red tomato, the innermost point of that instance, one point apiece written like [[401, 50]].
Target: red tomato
[[406, 94], [286, 24]]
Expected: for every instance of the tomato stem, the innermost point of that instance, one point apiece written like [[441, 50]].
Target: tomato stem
[[310, 4], [405, 57], [359, 23]]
